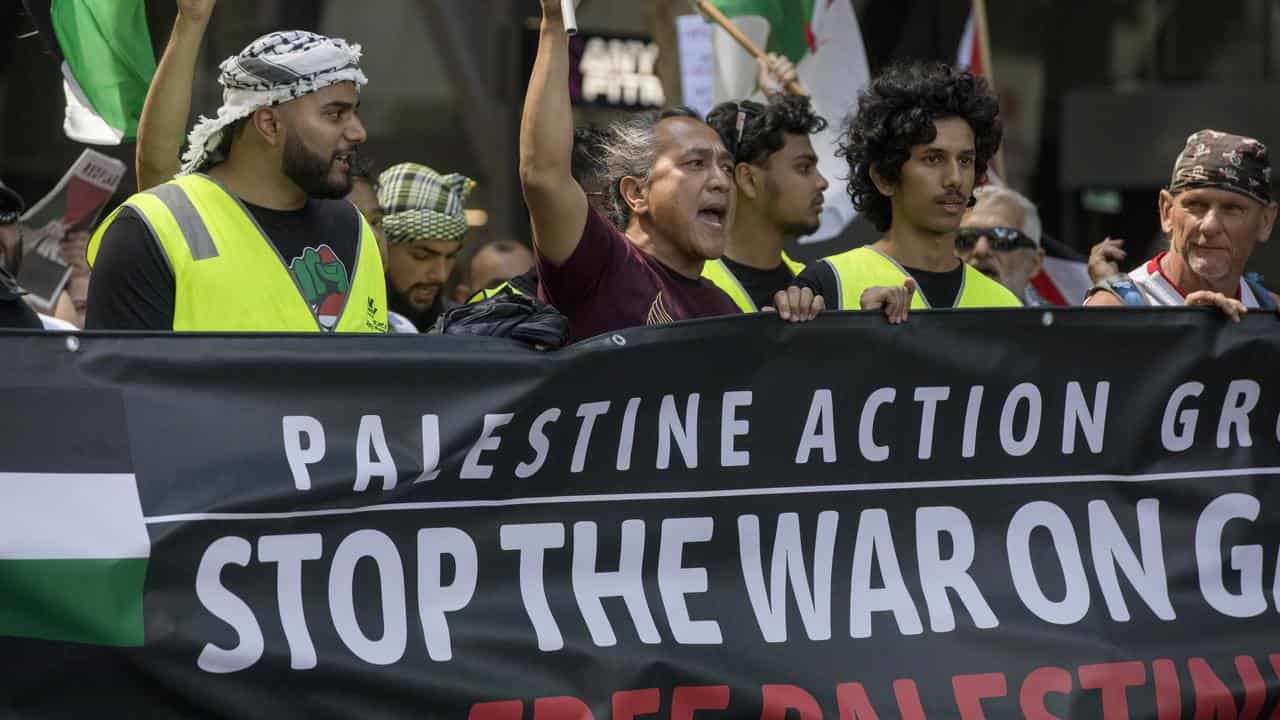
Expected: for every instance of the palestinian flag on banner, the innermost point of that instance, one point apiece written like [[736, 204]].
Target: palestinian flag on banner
[[823, 39], [74, 547], [107, 64], [73, 558]]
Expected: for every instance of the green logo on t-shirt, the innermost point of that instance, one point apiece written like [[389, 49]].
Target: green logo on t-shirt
[[322, 278]]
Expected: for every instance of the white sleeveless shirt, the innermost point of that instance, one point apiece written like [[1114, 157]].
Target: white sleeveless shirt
[[1157, 289]]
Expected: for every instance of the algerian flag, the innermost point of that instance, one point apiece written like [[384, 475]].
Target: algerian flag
[[107, 64], [823, 39], [73, 558]]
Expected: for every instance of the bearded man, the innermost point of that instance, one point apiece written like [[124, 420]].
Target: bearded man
[[254, 234]]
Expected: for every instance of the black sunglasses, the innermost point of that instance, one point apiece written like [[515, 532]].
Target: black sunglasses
[[1001, 239]]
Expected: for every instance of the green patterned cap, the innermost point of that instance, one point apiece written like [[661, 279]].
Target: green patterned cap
[[422, 204]]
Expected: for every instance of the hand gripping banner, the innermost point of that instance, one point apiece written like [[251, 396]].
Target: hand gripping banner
[[978, 514]]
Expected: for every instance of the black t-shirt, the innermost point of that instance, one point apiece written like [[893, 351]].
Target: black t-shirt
[[14, 311], [941, 290], [761, 285], [132, 286]]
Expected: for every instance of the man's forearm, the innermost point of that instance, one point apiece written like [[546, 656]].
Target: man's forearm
[[557, 204], [546, 128], [164, 116]]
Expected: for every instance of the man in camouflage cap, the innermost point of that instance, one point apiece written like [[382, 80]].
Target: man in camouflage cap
[[425, 225], [1217, 209]]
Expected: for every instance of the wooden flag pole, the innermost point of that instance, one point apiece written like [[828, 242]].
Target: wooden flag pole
[[984, 47], [712, 13]]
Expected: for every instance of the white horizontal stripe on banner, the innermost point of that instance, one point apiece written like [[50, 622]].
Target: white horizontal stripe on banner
[[714, 494], [71, 516]]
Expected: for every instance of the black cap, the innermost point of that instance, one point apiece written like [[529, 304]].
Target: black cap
[[10, 201]]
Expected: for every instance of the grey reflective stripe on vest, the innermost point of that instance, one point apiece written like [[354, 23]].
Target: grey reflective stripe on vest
[[839, 304], [194, 231]]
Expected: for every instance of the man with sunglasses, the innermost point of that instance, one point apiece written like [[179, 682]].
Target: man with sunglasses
[[779, 192], [1216, 211], [14, 312], [1000, 236]]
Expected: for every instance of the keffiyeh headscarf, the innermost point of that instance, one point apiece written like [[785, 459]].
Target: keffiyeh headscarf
[[422, 204], [274, 69], [1221, 160]]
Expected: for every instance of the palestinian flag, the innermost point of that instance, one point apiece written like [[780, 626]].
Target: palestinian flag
[[74, 547], [107, 64], [73, 558], [823, 39]]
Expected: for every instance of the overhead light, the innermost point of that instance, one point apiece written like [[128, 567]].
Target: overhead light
[[477, 218]]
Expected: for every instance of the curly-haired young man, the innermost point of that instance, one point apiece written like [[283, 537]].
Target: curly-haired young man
[[921, 140], [779, 193]]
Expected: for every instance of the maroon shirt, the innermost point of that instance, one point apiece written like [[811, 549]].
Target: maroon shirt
[[609, 284]]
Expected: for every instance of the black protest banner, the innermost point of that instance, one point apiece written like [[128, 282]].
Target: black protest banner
[[977, 514]]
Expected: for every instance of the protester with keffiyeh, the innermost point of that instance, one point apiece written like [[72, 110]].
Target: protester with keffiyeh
[[253, 235]]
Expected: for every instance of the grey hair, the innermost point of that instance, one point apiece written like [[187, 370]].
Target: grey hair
[[1031, 225], [630, 149]]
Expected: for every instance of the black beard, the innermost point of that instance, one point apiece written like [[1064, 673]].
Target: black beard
[[310, 172], [800, 229], [424, 321]]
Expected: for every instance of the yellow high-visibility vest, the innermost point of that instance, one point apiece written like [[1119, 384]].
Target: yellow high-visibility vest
[[486, 293], [228, 276], [866, 267], [719, 273]]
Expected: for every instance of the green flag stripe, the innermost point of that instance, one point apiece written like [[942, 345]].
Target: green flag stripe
[[95, 602], [787, 20], [107, 48]]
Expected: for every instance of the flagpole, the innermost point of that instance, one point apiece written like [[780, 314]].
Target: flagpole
[[988, 67], [712, 13], [570, 15], [984, 39]]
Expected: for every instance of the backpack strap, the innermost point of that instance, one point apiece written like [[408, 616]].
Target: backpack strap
[[1124, 288], [1254, 281]]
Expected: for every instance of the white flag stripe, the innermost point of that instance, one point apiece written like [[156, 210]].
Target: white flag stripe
[[738, 72], [65, 516], [1070, 276], [835, 75], [82, 123], [964, 55]]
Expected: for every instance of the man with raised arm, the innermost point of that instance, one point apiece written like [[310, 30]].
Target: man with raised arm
[[162, 125], [670, 187]]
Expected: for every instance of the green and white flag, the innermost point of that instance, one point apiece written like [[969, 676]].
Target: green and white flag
[[107, 64], [823, 39], [73, 558]]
